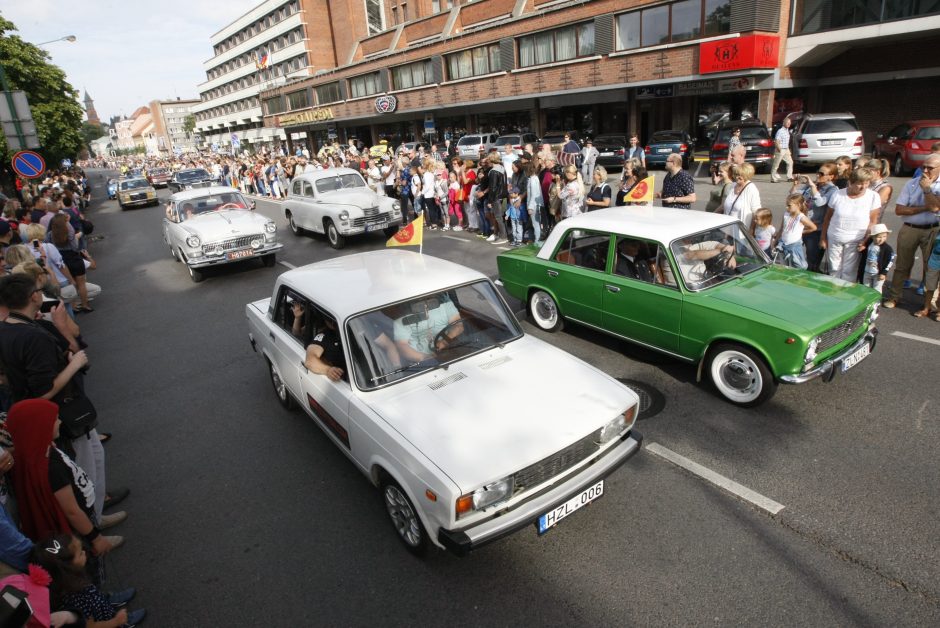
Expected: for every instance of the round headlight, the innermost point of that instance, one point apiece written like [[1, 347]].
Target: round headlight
[[270, 227], [218, 250], [193, 241], [811, 349], [256, 243], [344, 215], [396, 206]]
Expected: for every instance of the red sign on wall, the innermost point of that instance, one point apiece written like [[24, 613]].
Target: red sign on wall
[[739, 53]]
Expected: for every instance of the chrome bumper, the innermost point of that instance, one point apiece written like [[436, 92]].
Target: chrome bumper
[[830, 368], [214, 260], [462, 541]]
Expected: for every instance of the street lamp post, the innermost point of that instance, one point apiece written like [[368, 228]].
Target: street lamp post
[[68, 38]]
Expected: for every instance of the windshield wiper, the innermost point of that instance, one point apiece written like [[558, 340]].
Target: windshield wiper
[[407, 367]]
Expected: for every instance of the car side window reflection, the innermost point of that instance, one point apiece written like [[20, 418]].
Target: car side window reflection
[[308, 189], [585, 249]]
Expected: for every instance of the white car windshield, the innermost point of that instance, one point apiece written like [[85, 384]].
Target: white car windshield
[[715, 256], [402, 340], [340, 182], [206, 204]]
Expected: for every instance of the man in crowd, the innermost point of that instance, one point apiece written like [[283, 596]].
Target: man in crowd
[[782, 151], [678, 186]]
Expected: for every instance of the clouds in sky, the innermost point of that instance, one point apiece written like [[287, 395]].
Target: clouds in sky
[[127, 53]]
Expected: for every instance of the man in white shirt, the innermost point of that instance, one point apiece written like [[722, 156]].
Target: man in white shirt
[[782, 151]]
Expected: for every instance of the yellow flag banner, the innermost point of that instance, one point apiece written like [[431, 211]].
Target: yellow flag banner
[[642, 192], [409, 235]]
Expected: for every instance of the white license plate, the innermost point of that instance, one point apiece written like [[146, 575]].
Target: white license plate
[[588, 495], [241, 254], [856, 357], [663, 150], [377, 226], [830, 142], [607, 154]]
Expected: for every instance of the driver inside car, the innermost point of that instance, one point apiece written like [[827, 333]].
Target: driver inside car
[[704, 259], [418, 335]]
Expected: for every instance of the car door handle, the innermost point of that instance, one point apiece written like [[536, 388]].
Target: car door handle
[[611, 288], [271, 335], [552, 273]]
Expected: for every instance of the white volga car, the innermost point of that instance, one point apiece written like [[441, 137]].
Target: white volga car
[[338, 202], [217, 225], [470, 428]]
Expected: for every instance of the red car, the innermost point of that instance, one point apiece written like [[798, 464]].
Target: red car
[[159, 177], [907, 144]]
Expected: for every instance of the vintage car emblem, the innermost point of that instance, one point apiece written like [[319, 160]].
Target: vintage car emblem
[[386, 104]]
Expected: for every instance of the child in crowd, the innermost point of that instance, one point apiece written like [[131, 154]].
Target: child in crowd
[[794, 224], [931, 281], [453, 203], [877, 258], [763, 229], [514, 212], [64, 558]]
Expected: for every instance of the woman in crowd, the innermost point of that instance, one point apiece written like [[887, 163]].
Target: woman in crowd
[[573, 193], [851, 215], [744, 198], [880, 171], [534, 202], [600, 195], [723, 187], [75, 261], [843, 171]]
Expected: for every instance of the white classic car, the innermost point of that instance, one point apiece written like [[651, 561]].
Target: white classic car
[[338, 202], [470, 428], [217, 225]]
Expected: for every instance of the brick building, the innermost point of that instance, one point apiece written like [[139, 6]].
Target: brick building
[[421, 69]]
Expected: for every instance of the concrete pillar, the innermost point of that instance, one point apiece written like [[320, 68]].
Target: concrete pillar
[[765, 107]]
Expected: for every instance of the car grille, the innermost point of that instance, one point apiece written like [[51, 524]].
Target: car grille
[[831, 338], [231, 244], [139, 196], [557, 463], [371, 216]]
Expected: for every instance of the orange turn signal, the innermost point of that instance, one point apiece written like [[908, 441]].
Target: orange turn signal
[[464, 504], [430, 495], [790, 341]]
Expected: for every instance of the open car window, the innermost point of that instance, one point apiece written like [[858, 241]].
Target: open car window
[[717, 255], [405, 339], [207, 204]]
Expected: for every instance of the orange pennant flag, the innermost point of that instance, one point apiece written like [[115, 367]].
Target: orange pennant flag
[[642, 192], [409, 235]]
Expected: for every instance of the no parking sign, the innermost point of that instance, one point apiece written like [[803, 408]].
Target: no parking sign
[[28, 164]]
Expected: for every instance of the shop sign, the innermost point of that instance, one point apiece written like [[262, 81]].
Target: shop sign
[[739, 53], [303, 117], [661, 91], [386, 104], [429, 123], [298, 136], [737, 85], [695, 88]]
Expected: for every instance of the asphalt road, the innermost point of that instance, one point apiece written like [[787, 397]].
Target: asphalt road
[[242, 513]]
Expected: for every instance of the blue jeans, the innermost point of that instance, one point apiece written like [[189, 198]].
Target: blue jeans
[[484, 223], [795, 255], [517, 230]]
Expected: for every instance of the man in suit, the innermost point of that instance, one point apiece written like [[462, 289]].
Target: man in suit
[[631, 262]]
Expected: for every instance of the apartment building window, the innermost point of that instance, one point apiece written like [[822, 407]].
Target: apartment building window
[[364, 85], [298, 100], [562, 44], [436, 5], [675, 22], [327, 93], [473, 62], [412, 75], [274, 105], [375, 16]]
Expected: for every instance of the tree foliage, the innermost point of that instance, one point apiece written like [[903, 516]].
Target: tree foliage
[[189, 125], [53, 101], [92, 131]]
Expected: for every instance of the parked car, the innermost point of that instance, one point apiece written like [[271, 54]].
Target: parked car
[[518, 141], [136, 192], [695, 286], [557, 139], [822, 137], [338, 202], [432, 433], [755, 138], [664, 143], [216, 225], [159, 177], [611, 149], [407, 147], [907, 145], [190, 178], [475, 144], [708, 128]]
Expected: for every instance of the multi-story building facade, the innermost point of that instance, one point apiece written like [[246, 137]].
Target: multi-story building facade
[[267, 46], [169, 121], [422, 69]]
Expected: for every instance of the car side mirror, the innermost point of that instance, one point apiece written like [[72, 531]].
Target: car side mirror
[[252, 204]]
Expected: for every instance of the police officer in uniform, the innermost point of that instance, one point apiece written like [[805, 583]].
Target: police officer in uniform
[[325, 354]]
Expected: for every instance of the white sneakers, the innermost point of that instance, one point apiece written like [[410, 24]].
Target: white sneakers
[[445, 228], [458, 228], [492, 238], [113, 519]]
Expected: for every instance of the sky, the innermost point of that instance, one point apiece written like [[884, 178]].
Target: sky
[[127, 53]]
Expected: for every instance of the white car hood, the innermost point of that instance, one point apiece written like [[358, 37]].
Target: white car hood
[[357, 197], [506, 414], [226, 224]]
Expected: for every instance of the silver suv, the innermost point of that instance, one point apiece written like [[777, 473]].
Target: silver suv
[[821, 137], [476, 144]]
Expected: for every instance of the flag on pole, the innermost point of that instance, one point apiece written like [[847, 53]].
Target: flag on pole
[[261, 59], [642, 192], [409, 235]]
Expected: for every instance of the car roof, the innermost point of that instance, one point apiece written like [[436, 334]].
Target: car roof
[[827, 116], [188, 195], [661, 224], [381, 277], [329, 173], [748, 122]]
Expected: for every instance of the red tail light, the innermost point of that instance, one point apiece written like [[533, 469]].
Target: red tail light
[[517, 147], [765, 143], [683, 148], [803, 144], [858, 141], [646, 149], [621, 152], [914, 145], [719, 147]]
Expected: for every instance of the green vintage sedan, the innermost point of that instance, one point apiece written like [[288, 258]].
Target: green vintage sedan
[[696, 286]]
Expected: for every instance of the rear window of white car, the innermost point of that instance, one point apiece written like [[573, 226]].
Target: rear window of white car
[[833, 125], [468, 140]]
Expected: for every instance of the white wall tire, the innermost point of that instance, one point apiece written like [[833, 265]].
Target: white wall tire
[[740, 375], [544, 312]]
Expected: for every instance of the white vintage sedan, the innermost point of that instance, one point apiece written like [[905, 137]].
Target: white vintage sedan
[[338, 202], [217, 225], [470, 428]]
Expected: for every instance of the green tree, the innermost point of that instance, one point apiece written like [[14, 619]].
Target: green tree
[[92, 131], [189, 125], [53, 101]]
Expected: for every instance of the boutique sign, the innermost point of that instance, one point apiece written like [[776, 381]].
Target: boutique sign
[[739, 53], [386, 104]]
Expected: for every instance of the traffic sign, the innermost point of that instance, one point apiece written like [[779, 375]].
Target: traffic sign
[[29, 164], [66, 163]]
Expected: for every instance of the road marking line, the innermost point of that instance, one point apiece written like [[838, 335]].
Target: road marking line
[[764, 503], [913, 337], [288, 264], [449, 237]]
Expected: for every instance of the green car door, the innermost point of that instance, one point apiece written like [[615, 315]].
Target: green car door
[[578, 274], [641, 300]]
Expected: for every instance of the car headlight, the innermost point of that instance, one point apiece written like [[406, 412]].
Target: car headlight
[[270, 227], [485, 496], [873, 312], [151, 194], [617, 426], [193, 241], [218, 250], [811, 350], [344, 215], [256, 243], [396, 207]]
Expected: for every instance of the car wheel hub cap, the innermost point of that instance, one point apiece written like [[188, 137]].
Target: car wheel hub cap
[[403, 517], [279, 386], [739, 375], [545, 309]]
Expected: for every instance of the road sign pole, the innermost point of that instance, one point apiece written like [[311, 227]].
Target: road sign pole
[[9, 96]]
